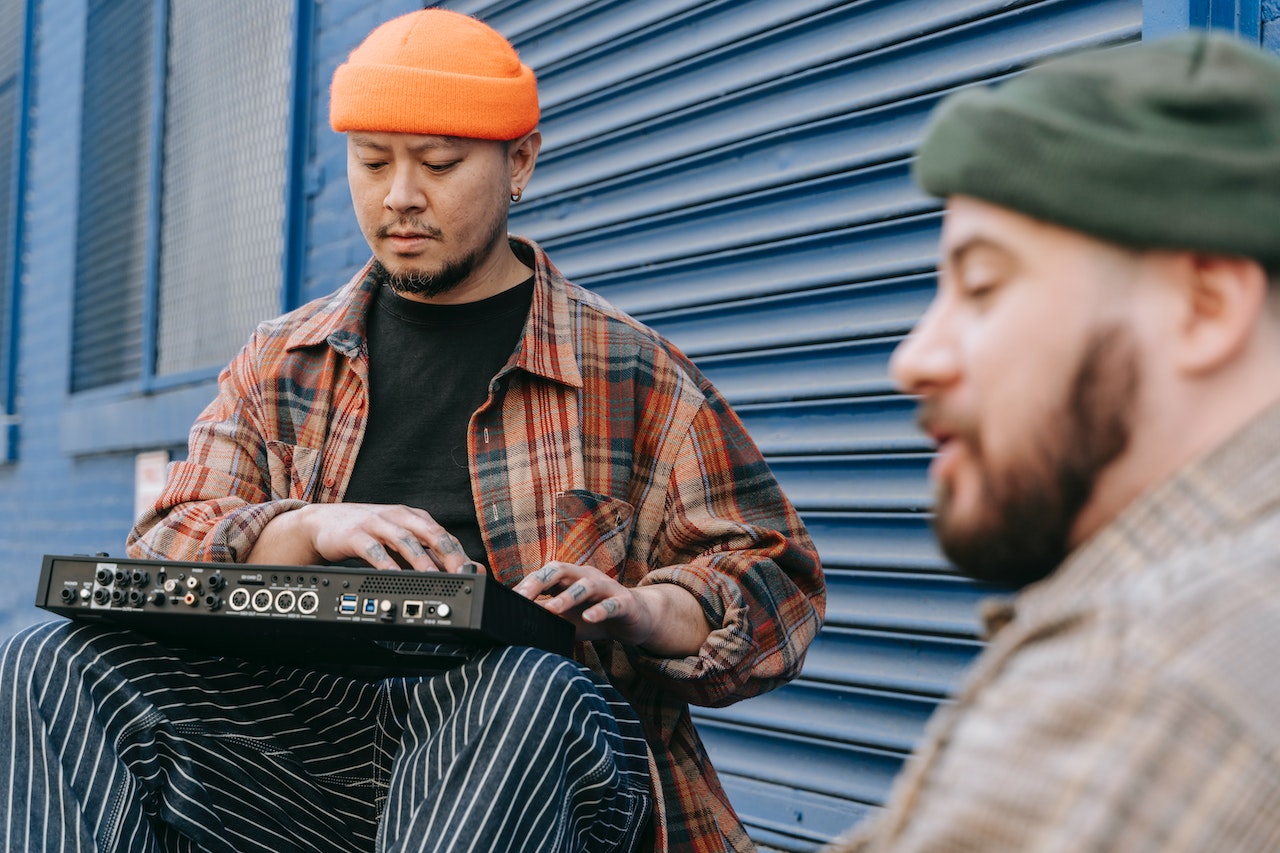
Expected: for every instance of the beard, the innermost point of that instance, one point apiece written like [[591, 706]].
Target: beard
[[451, 273], [1029, 509]]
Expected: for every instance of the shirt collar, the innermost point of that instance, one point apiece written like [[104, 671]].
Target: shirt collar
[[547, 346], [1222, 491]]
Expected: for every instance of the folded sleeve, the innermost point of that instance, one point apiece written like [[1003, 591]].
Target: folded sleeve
[[733, 540]]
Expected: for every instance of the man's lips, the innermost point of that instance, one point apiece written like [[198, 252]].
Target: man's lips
[[951, 443], [407, 241]]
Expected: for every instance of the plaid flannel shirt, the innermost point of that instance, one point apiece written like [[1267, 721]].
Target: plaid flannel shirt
[[1128, 702], [600, 443]]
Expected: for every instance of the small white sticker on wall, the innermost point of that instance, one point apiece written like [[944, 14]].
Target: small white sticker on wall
[[148, 479]]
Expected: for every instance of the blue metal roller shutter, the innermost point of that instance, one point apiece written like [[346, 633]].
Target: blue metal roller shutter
[[736, 174]]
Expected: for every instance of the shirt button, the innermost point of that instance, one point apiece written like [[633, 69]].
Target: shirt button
[[330, 482]]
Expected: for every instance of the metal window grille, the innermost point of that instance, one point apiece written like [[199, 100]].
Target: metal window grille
[[195, 246], [111, 254], [226, 136], [11, 34]]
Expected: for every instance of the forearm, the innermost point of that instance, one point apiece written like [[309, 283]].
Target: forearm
[[680, 626], [287, 540]]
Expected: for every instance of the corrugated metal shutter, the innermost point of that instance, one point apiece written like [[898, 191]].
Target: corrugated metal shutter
[[115, 177], [736, 174]]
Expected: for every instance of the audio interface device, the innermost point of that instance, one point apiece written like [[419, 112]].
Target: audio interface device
[[305, 614]]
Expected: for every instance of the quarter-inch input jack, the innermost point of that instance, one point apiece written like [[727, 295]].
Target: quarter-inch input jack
[[212, 601]]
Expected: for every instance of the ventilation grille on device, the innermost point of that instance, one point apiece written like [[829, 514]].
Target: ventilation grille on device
[[422, 585]]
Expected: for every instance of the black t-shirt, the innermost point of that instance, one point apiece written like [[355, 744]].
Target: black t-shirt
[[429, 370]]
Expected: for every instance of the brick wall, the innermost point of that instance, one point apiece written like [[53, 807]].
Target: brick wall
[[49, 502]]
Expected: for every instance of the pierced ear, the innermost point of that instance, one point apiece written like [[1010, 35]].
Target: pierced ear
[[523, 153], [1224, 299]]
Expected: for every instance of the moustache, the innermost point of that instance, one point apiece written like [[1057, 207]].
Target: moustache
[[409, 225], [936, 423]]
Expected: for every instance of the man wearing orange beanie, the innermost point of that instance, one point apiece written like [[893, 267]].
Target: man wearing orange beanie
[[457, 406]]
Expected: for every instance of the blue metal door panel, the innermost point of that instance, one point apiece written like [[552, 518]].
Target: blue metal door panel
[[736, 173]]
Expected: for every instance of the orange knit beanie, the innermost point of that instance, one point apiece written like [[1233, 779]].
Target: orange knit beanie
[[435, 72]]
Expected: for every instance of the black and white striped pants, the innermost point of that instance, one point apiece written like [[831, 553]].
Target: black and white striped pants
[[116, 743]]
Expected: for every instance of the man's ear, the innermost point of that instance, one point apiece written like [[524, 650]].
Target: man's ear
[[523, 154], [1223, 300]]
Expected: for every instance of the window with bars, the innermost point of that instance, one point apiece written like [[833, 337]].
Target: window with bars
[[184, 173], [12, 48]]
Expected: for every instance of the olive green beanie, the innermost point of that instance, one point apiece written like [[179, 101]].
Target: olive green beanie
[[1166, 144]]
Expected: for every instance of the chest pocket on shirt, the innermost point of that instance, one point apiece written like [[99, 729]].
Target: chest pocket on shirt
[[593, 530], [292, 470]]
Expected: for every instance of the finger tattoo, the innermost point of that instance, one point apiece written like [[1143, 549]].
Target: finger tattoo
[[376, 553], [414, 546], [610, 605], [545, 573], [577, 591]]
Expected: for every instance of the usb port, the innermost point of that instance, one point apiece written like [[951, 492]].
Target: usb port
[[371, 607], [348, 604]]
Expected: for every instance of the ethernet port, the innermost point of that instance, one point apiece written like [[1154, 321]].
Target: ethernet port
[[413, 609]]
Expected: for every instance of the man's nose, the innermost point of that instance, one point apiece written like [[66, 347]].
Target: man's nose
[[406, 192], [927, 359]]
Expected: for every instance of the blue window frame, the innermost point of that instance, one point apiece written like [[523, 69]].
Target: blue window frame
[[15, 46], [1163, 17], [189, 185], [195, 134]]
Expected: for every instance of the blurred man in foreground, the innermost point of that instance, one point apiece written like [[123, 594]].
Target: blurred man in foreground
[[1100, 369]]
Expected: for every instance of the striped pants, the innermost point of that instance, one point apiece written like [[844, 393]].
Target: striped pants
[[115, 743]]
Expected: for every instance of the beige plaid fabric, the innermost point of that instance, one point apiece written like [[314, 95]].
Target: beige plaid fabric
[[1131, 701]]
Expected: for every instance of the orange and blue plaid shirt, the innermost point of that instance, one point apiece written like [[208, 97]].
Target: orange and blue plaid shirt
[[599, 443]]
